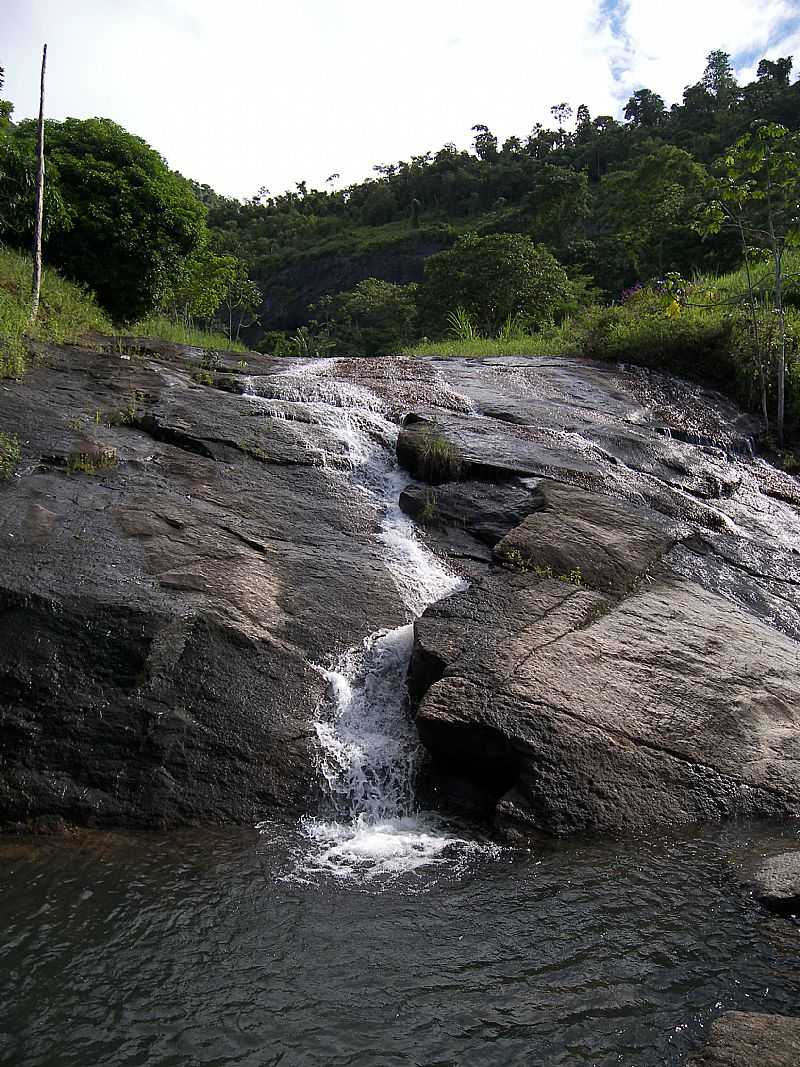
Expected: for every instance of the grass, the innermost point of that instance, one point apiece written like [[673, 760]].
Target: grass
[[165, 329], [67, 312], [560, 340], [9, 455], [91, 462]]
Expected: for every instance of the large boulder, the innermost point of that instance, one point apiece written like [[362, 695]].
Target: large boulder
[[776, 883], [750, 1039], [574, 712]]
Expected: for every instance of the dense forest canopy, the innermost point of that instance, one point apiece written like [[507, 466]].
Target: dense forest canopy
[[614, 199], [610, 197]]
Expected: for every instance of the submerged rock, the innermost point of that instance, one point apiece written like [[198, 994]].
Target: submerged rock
[[750, 1039]]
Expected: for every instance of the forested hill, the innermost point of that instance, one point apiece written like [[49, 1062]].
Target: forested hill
[[612, 198]]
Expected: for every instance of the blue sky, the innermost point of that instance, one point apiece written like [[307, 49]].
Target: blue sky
[[269, 92]]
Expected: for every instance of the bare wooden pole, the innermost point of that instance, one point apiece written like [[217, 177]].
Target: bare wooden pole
[[37, 232]]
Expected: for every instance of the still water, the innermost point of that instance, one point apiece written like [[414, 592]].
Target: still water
[[226, 948]]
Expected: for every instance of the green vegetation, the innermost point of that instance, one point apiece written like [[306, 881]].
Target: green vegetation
[[91, 462], [375, 319], [439, 459], [119, 220], [9, 455], [166, 329], [67, 312], [514, 560], [492, 281], [611, 198], [563, 339]]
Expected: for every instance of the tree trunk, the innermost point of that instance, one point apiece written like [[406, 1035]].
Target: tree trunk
[[37, 232], [782, 349]]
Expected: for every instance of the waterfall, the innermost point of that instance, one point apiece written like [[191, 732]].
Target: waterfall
[[367, 741]]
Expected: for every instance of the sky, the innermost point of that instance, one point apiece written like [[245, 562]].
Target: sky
[[252, 93]]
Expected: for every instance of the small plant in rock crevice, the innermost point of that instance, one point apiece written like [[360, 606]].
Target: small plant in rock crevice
[[514, 560], [429, 513], [91, 462], [440, 460]]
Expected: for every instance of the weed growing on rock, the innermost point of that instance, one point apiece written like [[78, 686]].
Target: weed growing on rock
[[9, 455], [429, 514], [91, 462], [515, 561], [203, 377], [441, 461]]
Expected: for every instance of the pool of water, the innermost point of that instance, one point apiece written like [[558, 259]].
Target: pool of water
[[229, 948]]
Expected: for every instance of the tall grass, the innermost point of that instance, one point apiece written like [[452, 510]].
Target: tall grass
[[165, 329], [560, 340], [67, 312]]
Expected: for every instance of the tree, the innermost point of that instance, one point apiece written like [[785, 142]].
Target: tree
[[376, 318], [485, 143], [492, 278], [645, 108], [718, 79], [128, 222], [647, 205], [757, 192]]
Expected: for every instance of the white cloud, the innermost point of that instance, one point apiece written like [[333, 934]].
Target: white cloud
[[267, 92]]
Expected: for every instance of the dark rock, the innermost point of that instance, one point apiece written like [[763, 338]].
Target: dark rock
[[462, 518], [749, 1039], [776, 883], [602, 543], [159, 615], [578, 712]]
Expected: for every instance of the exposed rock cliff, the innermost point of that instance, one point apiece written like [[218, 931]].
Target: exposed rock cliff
[[629, 656]]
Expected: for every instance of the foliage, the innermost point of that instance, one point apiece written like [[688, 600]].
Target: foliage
[[126, 224], [375, 318], [492, 278], [549, 184], [9, 455], [91, 462], [562, 339], [757, 194], [514, 560], [67, 312], [165, 329]]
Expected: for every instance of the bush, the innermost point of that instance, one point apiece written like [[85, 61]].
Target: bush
[[376, 318], [493, 279]]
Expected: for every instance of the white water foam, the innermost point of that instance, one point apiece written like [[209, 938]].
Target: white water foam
[[368, 746]]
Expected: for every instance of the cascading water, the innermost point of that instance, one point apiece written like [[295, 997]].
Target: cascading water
[[368, 744]]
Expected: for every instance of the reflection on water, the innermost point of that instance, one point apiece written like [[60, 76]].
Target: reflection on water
[[198, 949]]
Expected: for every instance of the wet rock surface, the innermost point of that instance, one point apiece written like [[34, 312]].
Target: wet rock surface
[[181, 545], [775, 883], [629, 656], [750, 1039], [174, 560]]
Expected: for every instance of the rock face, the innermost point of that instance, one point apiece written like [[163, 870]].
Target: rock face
[[629, 656], [177, 558], [748, 1039], [776, 883], [174, 560]]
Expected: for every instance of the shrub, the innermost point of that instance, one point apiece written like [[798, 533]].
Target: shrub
[[376, 318], [492, 278]]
